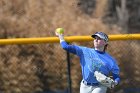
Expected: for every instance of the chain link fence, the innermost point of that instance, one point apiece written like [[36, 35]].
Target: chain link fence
[[42, 68]]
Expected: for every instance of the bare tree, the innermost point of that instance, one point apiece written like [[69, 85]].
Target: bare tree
[[122, 14]]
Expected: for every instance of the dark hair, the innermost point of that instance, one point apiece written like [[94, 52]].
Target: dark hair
[[105, 47]]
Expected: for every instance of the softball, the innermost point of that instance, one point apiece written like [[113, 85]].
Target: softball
[[60, 30]]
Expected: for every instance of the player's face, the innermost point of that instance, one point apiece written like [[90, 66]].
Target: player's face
[[99, 43]]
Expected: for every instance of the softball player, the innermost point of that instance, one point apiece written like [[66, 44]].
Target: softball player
[[91, 60]]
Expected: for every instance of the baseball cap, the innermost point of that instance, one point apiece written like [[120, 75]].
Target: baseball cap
[[101, 35]]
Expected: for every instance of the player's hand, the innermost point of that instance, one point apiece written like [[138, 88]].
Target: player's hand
[[59, 32], [115, 83]]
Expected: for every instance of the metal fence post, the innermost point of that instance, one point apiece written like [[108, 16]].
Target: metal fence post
[[69, 73]]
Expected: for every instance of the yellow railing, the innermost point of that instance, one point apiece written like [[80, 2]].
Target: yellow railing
[[68, 39]]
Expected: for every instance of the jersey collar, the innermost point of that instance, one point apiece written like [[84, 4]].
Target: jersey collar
[[101, 52]]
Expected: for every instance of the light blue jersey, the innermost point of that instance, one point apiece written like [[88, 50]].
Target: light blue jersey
[[92, 60]]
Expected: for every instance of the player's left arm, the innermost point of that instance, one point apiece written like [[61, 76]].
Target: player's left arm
[[116, 78], [116, 73]]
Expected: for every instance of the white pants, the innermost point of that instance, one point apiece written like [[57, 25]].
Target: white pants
[[92, 89]]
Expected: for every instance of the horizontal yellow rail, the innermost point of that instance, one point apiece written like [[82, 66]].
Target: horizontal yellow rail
[[68, 39]]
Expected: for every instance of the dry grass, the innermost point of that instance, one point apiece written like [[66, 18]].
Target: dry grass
[[32, 68]]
